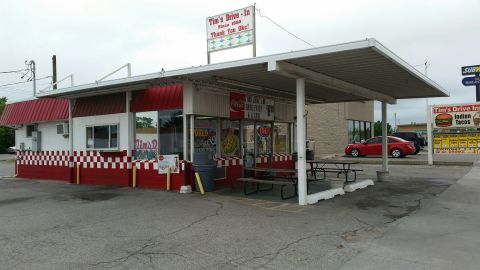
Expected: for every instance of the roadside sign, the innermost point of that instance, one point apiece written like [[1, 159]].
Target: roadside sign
[[467, 81], [469, 70], [466, 115]]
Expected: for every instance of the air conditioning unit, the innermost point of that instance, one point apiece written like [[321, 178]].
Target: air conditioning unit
[[62, 129]]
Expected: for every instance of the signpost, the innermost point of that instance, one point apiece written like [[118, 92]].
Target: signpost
[[230, 30], [469, 81]]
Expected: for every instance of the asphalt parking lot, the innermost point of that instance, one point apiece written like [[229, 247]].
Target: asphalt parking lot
[[55, 225]]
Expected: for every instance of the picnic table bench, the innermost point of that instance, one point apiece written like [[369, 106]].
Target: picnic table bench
[[283, 183], [340, 167]]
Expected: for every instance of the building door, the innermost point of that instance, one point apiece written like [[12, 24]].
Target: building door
[[248, 144]]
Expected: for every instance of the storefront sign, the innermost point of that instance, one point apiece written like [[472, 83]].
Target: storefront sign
[[251, 107], [467, 81], [231, 29], [469, 70], [456, 116], [168, 161]]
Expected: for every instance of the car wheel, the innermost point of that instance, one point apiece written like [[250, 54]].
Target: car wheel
[[355, 153], [396, 153], [417, 150]]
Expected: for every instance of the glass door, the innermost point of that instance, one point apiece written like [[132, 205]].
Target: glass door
[[248, 144]]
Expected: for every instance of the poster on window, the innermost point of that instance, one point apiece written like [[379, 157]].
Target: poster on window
[[168, 161], [244, 106]]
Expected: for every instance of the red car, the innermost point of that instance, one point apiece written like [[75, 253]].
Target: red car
[[397, 147]]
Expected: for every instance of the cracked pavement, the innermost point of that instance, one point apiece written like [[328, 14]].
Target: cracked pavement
[[54, 225]]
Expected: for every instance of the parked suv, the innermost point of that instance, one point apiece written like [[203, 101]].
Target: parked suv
[[414, 137]]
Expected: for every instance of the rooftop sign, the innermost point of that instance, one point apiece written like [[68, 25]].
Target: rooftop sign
[[232, 29]]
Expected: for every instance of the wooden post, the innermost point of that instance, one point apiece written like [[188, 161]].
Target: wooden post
[[199, 182], [168, 178], [78, 174], [134, 175]]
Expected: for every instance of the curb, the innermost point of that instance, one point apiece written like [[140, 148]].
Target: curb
[[418, 162]]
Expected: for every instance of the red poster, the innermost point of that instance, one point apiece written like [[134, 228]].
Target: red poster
[[237, 105]]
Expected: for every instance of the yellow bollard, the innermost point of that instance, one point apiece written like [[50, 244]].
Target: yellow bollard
[[134, 176], [78, 174], [199, 182], [168, 179]]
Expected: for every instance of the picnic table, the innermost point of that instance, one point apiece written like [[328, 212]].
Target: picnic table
[[270, 176], [340, 166]]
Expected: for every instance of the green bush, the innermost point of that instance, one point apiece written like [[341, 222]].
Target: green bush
[[7, 135]]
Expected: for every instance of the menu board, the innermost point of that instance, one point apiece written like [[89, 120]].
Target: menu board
[[462, 143]]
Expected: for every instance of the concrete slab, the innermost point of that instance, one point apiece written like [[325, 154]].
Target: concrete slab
[[54, 225], [444, 234]]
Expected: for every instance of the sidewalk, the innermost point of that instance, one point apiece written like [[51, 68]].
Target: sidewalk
[[444, 234]]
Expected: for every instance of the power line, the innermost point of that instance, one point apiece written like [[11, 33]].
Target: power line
[[24, 81], [283, 28], [13, 71]]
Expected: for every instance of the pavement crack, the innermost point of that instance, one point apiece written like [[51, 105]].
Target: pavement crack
[[217, 211]]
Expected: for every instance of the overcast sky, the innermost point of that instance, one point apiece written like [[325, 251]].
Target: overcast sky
[[92, 38]]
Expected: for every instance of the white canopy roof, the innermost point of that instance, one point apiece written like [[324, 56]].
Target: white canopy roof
[[355, 71]]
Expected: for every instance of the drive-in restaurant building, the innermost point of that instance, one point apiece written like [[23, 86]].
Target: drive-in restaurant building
[[242, 113]]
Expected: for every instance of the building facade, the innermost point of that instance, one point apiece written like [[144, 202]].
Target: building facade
[[333, 126]]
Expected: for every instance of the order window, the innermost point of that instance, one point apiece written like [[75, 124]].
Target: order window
[[102, 137]]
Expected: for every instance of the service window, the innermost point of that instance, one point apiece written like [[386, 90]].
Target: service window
[[30, 129], [102, 137], [146, 135], [205, 136], [170, 130], [230, 138], [281, 138]]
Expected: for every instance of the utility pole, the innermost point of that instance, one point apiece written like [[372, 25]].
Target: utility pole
[[31, 66], [54, 71]]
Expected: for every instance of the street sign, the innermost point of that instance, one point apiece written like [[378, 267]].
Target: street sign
[[468, 81], [469, 70]]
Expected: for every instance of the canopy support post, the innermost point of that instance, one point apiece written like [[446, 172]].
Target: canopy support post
[[429, 135], [384, 138], [301, 144], [130, 127]]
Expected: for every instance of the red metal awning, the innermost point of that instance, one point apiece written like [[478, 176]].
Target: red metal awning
[[158, 98], [99, 105], [36, 110]]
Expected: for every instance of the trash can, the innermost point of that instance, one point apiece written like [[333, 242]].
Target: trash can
[[207, 175], [310, 150]]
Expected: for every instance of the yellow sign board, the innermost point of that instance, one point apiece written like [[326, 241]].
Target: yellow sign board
[[464, 143]]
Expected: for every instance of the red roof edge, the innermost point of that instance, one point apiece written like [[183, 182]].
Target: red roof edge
[[158, 98], [33, 111]]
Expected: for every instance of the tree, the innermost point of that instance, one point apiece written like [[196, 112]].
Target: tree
[[7, 134], [377, 129]]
